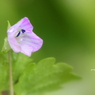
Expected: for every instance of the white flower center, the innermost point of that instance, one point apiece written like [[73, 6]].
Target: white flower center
[[19, 32], [22, 37]]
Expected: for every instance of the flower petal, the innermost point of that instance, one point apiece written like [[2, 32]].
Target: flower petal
[[22, 39], [26, 24], [14, 45], [26, 50], [32, 41]]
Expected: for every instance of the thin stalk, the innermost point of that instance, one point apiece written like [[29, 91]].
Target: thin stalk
[[10, 74]]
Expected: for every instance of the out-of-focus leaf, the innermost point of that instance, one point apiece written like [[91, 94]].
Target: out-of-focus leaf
[[6, 46], [19, 64], [44, 76], [4, 73], [9, 25]]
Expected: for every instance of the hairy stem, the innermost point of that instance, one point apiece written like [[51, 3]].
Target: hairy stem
[[10, 73]]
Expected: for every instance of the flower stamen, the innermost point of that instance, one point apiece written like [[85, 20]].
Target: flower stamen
[[22, 30], [18, 34]]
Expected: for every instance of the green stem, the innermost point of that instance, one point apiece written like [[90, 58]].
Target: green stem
[[10, 74]]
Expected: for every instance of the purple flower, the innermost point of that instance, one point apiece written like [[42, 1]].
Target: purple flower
[[21, 37]]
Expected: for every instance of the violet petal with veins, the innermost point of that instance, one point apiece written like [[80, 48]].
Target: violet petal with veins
[[21, 37]]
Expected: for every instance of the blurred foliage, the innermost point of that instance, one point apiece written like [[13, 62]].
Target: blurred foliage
[[68, 30], [4, 68], [43, 77], [31, 78]]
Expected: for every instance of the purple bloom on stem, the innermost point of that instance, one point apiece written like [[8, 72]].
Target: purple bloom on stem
[[21, 37]]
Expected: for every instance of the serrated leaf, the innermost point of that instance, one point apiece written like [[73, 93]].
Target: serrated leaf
[[42, 77]]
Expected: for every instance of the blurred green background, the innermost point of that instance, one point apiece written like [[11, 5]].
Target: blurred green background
[[68, 30]]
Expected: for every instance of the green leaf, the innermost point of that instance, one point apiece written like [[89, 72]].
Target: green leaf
[[19, 63], [4, 65], [4, 73], [44, 76], [6, 46], [9, 25]]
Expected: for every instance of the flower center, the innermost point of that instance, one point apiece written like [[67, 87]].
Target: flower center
[[20, 32]]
